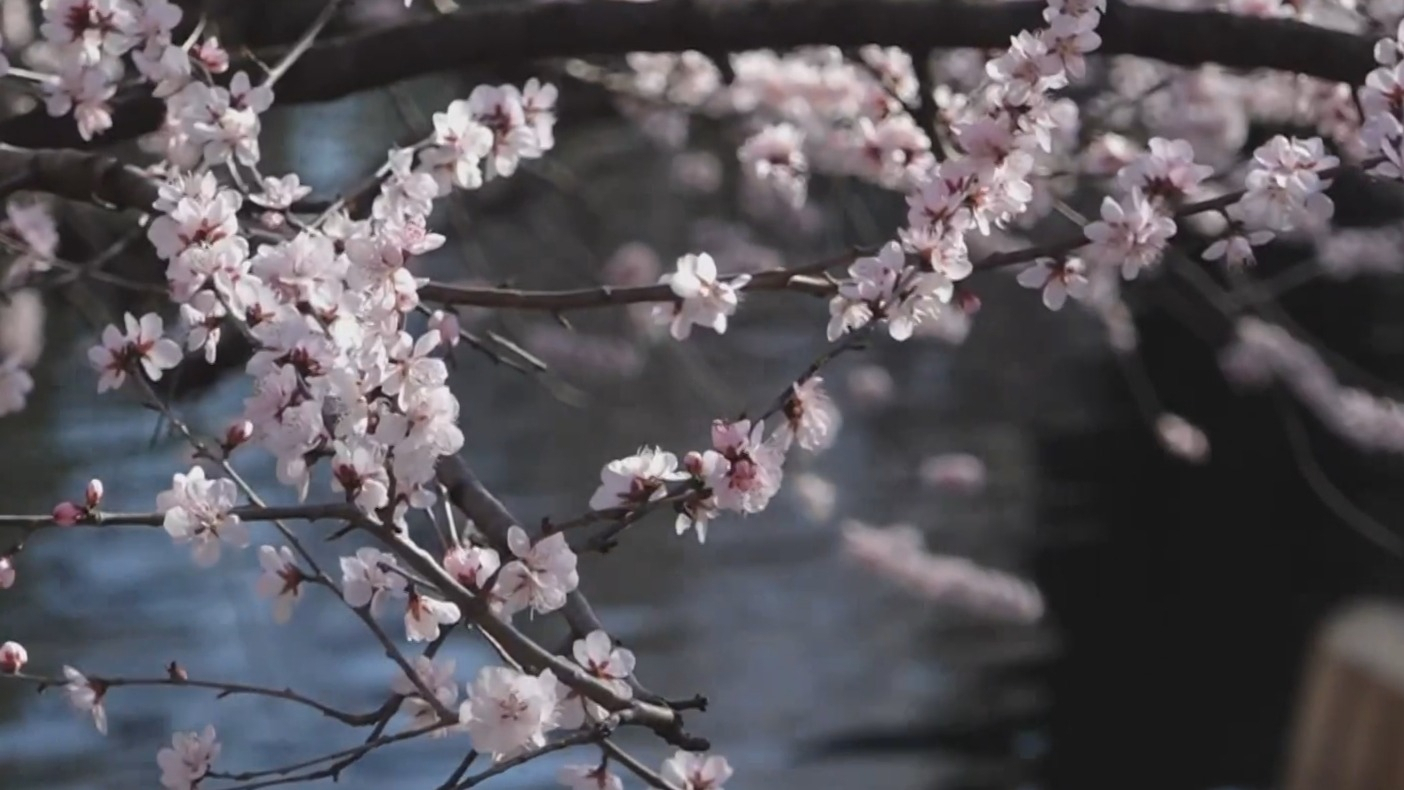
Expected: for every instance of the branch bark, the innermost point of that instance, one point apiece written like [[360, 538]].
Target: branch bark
[[510, 33]]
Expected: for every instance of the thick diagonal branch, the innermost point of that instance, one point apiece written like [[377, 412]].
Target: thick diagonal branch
[[506, 33]]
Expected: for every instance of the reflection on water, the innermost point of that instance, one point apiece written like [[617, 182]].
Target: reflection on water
[[790, 643]]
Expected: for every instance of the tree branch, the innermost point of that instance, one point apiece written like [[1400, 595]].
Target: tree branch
[[506, 33]]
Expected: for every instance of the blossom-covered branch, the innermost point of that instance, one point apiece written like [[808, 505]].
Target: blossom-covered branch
[[517, 32]]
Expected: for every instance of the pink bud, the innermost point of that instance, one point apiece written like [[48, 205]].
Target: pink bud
[[237, 434], [967, 301], [448, 326], [66, 514], [692, 462], [1182, 438], [13, 657], [7, 572], [272, 220], [212, 56], [93, 495]]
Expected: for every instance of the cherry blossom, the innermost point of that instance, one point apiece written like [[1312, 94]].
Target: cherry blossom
[[280, 193], [703, 300], [7, 572], [1131, 235], [460, 145], [1236, 249], [1285, 186], [281, 580], [472, 566], [142, 344], [197, 511], [640, 478], [693, 771], [86, 695], [597, 655], [437, 676], [365, 580], [1166, 171], [359, 470], [508, 712], [1058, 279], [775, 156], [66, 514], [811, 417], [188, 759], [884, 286], [709, 469], [753, 471], [425, 615], [13, 657], [15, 386], [540, 577]]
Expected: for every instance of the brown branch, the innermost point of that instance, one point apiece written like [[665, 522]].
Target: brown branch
[[798, 278], [334, 510], [505, 33], [224, 689]]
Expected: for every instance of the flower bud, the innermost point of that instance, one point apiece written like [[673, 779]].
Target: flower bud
[[237, 434], [93, 496], [967, 300], [13, 657], [692, 462], [212, 56], [7, 572], [448, 325], [273, 220], [66, 514]]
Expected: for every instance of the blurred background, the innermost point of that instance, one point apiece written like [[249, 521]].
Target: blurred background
[[1182, 597]]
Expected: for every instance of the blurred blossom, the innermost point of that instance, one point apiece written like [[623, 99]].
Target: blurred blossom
[[1350, 252], [585, 355], [697, 171], [815, 495], [870, 385], [1262, 353], [897, 553], [22, 327], [1181, 438], [732, 242], [634, 264], [960, 472]]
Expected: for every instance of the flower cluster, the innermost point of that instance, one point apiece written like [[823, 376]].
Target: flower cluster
[[93, 39], [1263, 353], [198, 511], [896, 553], [740, 473]]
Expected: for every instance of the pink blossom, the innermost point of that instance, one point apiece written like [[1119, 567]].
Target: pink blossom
[[811, 418], [13, 657], [897, 554], [703, 299], [955, 471], [188, 759], [693, 771], [142, 344], [509, 712], [66, 514], [86, 695]]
